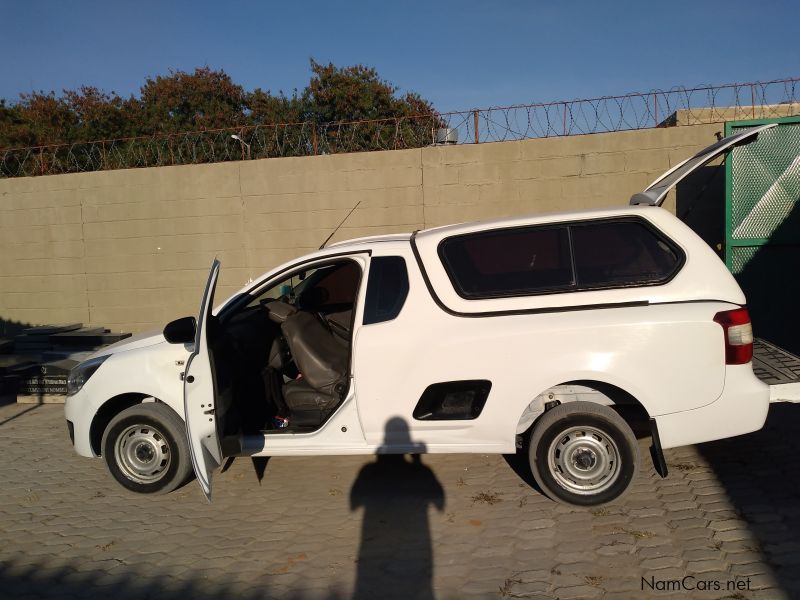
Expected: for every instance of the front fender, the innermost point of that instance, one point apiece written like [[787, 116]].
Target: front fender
[[152, 371]]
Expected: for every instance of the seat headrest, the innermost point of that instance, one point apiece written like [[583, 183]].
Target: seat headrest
[[280, 311]]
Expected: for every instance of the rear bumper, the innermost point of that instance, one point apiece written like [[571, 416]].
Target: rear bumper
[[742, 408]]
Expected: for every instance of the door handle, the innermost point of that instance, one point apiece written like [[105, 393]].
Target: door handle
[[210, 411]]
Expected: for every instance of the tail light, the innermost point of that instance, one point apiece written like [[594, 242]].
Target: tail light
[[738, 333]]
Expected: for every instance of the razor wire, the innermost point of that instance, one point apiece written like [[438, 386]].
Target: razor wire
[[658, 108]]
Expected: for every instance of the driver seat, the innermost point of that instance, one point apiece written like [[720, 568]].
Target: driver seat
[[322, 361]]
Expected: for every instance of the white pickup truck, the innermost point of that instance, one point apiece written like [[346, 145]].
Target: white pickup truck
[[550, 332]]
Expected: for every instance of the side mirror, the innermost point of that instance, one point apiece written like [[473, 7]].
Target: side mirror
[[181, 331]]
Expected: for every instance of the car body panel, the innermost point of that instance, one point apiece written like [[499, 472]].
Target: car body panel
[[140, 340], [715, 284], [670, 357], [147, 372], [741, 408], [201, 400]]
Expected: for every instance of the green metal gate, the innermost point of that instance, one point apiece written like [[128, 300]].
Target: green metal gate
[[762, 226]]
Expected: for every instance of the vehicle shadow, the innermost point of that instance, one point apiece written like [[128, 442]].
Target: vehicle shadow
[[760, 474], [759, 471], [395, 556], [259, 465]]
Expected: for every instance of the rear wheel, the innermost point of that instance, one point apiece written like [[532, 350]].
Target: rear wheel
[[583, 454], [146, 450]]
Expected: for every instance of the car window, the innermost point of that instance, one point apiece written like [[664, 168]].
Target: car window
[[330, 288], [335, 284], [559, 258], [509, 262], [621, 253], [387, 289]]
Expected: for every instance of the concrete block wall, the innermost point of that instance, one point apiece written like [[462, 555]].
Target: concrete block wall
[[130, 249], [499, 179]]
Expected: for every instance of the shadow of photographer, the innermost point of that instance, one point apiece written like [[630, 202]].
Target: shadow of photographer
[[395, 557]]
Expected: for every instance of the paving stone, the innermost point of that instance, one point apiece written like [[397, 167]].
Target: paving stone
[[578, 591], [615, 549], [749, 569], [65, 527], [661, 562], [707, 553], [733, 535], [770, 594], [766, 580]]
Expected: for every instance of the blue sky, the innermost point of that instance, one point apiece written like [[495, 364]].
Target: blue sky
[[459, 55]]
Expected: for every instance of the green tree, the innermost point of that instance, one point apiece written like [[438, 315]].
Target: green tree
[[101, 116], [181, 101], [356, 93], [38, 119], [268, 109], [338, 97], [326, 116]]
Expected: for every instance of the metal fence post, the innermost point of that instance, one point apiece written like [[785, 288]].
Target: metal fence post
[[655, 109], [476, 125], [314, 137]]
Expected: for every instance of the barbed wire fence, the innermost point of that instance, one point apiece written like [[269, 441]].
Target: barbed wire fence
[[677, 106]]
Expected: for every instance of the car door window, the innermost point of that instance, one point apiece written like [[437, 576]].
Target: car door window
[[387, 289], [330, 288]]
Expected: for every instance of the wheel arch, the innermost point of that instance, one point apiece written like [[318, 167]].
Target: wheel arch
[[595, 390], [110, 409]]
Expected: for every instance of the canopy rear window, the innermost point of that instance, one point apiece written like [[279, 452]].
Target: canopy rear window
[[567, 257]]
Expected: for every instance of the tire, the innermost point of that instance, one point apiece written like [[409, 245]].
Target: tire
[[146, 450], [583, 454]]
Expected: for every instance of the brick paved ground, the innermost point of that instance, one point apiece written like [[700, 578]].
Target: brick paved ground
[[338, 527]]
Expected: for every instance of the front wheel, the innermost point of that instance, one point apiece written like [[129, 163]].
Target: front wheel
[[583, 454], [146, 450]]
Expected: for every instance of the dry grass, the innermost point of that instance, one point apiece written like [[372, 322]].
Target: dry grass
[[489, 498]]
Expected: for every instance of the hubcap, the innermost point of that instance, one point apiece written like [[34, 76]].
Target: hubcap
[[142, 453], [584, 460]]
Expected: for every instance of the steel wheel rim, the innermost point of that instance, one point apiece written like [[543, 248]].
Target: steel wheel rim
[[142, 453], [584, 460]]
